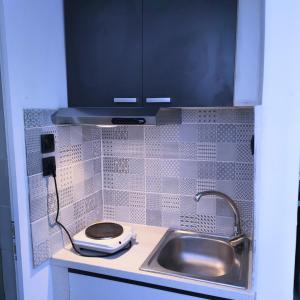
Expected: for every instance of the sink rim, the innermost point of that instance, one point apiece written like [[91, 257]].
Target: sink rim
[[241, 281]]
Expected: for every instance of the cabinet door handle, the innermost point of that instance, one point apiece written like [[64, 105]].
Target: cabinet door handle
[[125, 100], [158, 100]]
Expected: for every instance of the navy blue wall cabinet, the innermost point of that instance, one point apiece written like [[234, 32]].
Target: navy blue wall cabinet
[[152, 52], [189, 51], [103, 52]]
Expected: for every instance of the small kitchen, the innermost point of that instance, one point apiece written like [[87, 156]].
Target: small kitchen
[[144, 174]]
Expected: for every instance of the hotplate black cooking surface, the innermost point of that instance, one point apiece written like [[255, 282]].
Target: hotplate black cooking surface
[[101, 231]]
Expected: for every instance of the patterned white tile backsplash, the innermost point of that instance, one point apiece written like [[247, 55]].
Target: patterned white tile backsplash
[[141, 174]]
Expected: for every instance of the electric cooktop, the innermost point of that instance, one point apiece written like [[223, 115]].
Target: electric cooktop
[[104, 237]]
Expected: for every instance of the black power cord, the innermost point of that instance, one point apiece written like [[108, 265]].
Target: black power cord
[[57, 215], [92, 253]]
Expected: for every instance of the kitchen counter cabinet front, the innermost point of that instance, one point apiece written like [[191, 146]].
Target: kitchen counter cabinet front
[[93, 288]]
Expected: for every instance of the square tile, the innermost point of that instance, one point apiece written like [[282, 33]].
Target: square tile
[[41, 253], [207, 224], [34, 163], [206, 170], [244, 171], [223, 209], [38, 208], [91, 133], [169, 168], [76, 135], [137, 200], [152, 133], [207, 133], [207, 116], [188, 205], [226, 133], [153, 150], [116, 133], [135, 132], [188, 151], [244, 153], [188, 186], [170, 185], [153, 184], [227, 152], [244, 133], [137, 216], [225, 170], [205, 185], [244, 190], [136, 166], [154, 217], [63, 136], [188, 169], [116, 165], [170, 219], [170, 203], [37, 117], [109, 212], [188, 133], [189, 222], [245, 115], [224, 225], [207, 206], [33, 139], [122, 213], [206, 152], [189, 116], [227, 187], [169, 133], [169, 150], [153, 201], [40, 231]]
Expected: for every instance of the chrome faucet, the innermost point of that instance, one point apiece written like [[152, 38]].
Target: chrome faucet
[[237, 231]]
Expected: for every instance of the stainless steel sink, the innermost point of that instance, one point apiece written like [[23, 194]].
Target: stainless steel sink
[[203, 257]]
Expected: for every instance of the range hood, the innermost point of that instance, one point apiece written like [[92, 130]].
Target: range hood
[[117, 116]]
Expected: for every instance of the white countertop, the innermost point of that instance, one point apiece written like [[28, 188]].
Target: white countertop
[[127, 266]]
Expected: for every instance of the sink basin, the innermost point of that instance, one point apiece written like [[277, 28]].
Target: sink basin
[[197, 256], [203, 257]]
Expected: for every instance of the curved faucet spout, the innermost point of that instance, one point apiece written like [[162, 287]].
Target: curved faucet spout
[[237, 219]]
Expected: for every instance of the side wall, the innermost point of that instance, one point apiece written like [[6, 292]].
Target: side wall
[[277, 153], [78, 170], [33, 67]]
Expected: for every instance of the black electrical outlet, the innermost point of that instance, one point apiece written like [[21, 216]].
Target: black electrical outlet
[[49, 166], [252, 145], [47, 143]]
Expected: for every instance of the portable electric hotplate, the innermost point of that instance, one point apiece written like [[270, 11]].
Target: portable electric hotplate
[[104, 237]]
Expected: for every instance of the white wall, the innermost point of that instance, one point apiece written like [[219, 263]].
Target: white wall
[[33, 66], [277, 153]]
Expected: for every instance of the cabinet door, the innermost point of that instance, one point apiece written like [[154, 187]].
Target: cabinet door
[[189, 51], [91, 288], [103, 51]]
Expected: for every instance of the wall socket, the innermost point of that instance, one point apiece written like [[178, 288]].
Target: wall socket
[[47, 143], [49, 166]]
